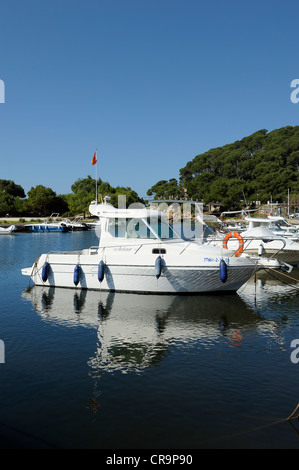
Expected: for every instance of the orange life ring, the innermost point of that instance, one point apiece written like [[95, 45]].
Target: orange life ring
[[239, 237]]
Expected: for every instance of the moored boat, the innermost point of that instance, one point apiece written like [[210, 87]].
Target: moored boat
[[8, 231], [274, 226], [139, 251], [76, 224], [260, 242], [48, 225], [283, 223]]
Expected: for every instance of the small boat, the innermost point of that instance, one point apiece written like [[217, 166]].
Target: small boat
[[48, 225], [260, 242], [76, 224], [8, 231], [283, 223], [272, 224], [139, 251]]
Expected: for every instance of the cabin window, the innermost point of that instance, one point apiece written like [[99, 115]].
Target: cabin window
[[129, 228], [162, 228], [138, 228]]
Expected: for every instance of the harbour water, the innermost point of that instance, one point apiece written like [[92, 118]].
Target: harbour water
[[98, 370]]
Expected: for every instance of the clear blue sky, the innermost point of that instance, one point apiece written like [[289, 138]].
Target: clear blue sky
[[149, 83]]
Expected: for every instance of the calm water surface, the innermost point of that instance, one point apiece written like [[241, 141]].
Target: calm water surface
[[126, 371]]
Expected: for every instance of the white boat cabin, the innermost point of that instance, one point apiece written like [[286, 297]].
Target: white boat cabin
[[132, 224]]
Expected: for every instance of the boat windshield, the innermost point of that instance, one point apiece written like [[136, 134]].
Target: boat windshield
[[148, 228], [283, 222]]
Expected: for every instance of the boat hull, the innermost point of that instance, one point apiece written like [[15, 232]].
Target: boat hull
[[139, 278], [45, 228]]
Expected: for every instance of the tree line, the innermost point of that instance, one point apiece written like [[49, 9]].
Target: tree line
[[41, 201], [260, 167]]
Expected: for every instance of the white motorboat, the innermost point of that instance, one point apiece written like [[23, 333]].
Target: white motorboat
[[274, 226], [140, 252], [261, 243], [76, 224], [283, 223], [8, 231]]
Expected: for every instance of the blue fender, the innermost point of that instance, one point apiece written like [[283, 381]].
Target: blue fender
[[77, 272], [45, 272], [101, 271], [223, 271], [158, 267]]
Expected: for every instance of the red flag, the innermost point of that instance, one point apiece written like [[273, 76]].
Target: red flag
[[94, 159]]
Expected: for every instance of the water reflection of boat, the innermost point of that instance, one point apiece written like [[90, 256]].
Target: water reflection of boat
[[135, 332], [271, 287]]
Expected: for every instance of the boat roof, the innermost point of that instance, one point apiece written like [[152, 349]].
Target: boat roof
[[260, 231], [108, 211], [266, 220], [257, 219]]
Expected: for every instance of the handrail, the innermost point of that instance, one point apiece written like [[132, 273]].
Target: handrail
[[268, 240], [250, 239], [208, 241]]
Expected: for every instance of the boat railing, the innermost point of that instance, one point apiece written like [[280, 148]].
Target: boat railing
[[75, 252], [93, 250], [139, 244], [161, 244], [215, 241], [268, 240]]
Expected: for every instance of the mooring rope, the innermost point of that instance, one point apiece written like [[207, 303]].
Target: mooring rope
[[264, 426]]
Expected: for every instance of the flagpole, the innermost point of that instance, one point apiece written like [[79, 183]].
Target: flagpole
[[97, 176], [94, 161]]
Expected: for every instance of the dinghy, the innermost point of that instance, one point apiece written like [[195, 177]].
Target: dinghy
[[8, 231]]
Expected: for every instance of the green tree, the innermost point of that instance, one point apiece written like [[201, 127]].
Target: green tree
[[10, 195], [43, 201], [263, 164], [84, 192], [130, 195], [7, 204], [9, 187], [166, 189]]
